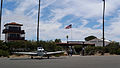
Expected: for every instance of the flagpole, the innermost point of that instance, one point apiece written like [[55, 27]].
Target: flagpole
[[1, 17], [38, 22], [103, 22], [69, 27], [71, 34]]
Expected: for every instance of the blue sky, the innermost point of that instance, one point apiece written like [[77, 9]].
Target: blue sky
[[84, 15]]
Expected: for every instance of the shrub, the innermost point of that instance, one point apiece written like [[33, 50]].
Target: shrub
[[118, 52], [58, 55], [100, 49], [4, 53], [90, 50], [58, 48], [113, 48], [78, 48]]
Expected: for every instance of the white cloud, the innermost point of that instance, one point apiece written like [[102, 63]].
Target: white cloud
[[100, 21], [84, 22], [26, 13]]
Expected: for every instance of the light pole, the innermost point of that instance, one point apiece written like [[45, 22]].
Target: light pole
[[67, 38], [103, 22], [83, 49], [1, 17], [38, 22]]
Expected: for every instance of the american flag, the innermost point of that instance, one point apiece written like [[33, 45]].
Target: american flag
[[69, 26]]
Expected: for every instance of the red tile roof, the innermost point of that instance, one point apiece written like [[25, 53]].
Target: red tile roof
[[13, 23]]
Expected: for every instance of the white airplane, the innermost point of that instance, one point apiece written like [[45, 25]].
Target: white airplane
[[40, 52]]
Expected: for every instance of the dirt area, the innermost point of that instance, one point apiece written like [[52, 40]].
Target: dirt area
[[21, 56], [98, 54]]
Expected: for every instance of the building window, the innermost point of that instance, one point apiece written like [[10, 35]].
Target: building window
[[14, 28], [13, 35]]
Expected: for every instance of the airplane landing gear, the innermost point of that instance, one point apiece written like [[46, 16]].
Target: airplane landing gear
[[48, 57], [31, 57]]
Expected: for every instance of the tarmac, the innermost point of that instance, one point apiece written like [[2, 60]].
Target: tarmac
[[62, 62]]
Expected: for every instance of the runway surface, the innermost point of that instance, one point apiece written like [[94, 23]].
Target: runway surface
[[63, 62]]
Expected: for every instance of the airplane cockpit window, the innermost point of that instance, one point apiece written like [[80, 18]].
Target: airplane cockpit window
[[40, 49]]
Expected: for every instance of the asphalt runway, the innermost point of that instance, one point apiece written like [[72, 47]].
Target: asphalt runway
[[63, 62]]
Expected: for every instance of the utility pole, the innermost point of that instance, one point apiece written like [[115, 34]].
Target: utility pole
[[1, 17], [38, 22], [103, 22]]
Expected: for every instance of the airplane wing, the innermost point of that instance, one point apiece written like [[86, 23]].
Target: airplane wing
[[52, 53], [26, 53]]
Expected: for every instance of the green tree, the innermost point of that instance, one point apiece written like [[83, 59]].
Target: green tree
[[50, 45], [57, 40], [89, 38]]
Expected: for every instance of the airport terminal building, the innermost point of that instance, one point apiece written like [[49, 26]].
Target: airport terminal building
[[96, 42]]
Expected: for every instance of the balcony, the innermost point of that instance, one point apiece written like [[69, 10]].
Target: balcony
[[13, 31]]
